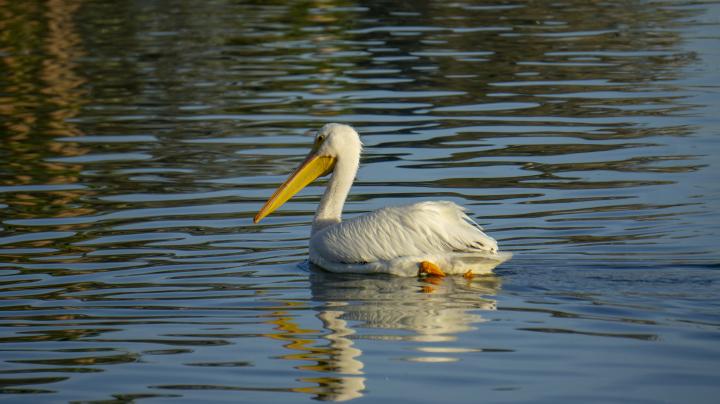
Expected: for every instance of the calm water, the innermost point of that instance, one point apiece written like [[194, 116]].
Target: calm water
[[139, 139]]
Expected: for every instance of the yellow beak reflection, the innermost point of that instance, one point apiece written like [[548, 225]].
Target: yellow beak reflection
[[313, 167]]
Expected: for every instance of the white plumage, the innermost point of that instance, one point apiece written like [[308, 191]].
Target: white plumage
[[395, 239], [389, 240]]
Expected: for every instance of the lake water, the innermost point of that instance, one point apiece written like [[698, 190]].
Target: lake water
[[139, 138]]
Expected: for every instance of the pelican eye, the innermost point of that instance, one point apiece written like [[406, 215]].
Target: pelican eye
[[321, 138]]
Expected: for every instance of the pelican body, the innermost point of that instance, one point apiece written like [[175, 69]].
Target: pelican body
[[434, 237]]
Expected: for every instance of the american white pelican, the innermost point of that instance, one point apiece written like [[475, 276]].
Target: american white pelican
[[434, 238]]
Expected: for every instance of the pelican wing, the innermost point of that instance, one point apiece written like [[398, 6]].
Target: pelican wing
[[419, 229]]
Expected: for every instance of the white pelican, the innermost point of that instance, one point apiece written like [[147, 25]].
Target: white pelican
[[433, 238]]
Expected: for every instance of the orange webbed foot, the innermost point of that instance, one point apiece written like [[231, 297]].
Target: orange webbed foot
[[427, 268]]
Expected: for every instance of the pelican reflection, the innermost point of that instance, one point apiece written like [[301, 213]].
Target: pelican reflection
[[383, 308], [429, 312]]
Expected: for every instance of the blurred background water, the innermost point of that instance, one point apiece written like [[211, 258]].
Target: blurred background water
[[140, 137]]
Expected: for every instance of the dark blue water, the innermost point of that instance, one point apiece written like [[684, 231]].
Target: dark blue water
[[138, 140]]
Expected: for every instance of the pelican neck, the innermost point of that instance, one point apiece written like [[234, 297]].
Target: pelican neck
[[329, 211]]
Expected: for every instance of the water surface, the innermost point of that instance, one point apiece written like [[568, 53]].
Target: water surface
[[140, 138]]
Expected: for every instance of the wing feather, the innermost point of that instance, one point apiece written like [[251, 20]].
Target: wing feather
[[409, 230]]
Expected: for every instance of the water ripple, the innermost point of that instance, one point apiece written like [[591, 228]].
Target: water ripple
[[140, 139]]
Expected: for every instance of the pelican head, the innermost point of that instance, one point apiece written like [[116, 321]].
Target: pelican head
[[338, 141], [336, 148]]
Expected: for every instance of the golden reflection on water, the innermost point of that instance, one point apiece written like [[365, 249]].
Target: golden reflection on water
[[41, 93], [397, 309]]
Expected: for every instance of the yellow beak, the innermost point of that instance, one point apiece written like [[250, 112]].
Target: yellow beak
[[313, 167]]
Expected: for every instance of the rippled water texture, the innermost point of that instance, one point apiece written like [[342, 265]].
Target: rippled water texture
[[140, 137]]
